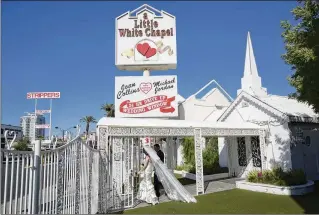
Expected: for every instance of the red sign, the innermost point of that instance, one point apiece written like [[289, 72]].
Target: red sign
[[163, 103], [44, 95]]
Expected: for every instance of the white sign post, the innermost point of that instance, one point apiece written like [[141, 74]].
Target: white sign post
[[43, 95], [145, 41], [139, 96]]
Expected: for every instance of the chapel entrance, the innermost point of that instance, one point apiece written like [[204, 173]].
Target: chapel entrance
[[125, 156], [244, 155]]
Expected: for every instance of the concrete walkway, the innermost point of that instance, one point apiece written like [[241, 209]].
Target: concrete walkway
[[210, 187]]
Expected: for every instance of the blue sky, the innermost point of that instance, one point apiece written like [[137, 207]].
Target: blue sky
[[69, 47]]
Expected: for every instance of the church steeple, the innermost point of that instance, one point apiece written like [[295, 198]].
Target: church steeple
[[251, 82]]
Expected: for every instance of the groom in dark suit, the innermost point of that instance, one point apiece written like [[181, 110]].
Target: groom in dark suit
[[157, 183]]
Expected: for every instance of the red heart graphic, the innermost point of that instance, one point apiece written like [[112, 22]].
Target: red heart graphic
[[143, 48], [150, 52], [145, 87]]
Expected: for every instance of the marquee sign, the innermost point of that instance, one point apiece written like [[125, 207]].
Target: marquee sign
[[144, 40], [44, 95], [152, 96]]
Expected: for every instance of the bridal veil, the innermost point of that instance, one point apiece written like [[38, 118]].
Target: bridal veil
[[173, 188]]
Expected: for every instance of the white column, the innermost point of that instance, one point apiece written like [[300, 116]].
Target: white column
[[179, 149], [199, 162], [146, 73], [117, 166], [262, 142], [223, 152]]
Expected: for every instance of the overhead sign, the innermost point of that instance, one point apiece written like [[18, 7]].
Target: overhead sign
[[43, 111], [43, 95], [139, 96], [145, 40], [43, 126]]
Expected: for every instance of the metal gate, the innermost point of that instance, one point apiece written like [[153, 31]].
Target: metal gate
[[123, 163]]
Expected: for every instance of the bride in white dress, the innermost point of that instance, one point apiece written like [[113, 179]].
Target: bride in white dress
[[146, 190]]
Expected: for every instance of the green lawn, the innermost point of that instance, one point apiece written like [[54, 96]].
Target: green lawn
[[238, 201]]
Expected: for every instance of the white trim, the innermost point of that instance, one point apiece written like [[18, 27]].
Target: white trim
[[278, 190], [246, 96], [159, 123]]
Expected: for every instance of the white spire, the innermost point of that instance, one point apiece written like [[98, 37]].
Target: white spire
[[251, 82], [250, 62]]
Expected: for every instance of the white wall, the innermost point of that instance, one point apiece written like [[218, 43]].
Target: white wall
[[278, 147], [277, 144], [198, 109]]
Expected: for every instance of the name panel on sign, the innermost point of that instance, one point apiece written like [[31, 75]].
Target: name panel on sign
[[153, 96]]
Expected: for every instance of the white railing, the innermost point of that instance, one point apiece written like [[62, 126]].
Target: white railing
[[63, 180]]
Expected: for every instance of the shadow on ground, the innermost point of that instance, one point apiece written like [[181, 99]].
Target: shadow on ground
[[309, 202]]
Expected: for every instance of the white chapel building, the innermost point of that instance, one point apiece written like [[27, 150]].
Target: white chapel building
[[292, 140]]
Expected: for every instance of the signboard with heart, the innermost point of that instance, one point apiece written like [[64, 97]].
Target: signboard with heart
[[145, 87], [140, 96], [144, 40]]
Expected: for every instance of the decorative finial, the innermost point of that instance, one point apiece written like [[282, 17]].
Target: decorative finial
[[55, 138], [9, 143]]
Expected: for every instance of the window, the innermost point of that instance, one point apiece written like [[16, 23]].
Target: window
[[241, 150], [255, 150]]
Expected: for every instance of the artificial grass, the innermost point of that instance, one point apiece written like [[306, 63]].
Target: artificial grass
[[238, 202]]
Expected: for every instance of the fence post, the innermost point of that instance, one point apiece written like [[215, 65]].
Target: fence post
[[36, 177], [78, 156], [90, 182], [1, 175]]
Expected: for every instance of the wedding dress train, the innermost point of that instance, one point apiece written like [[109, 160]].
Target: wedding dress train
[[146, 191]]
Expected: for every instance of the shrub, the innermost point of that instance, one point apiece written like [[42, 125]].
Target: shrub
[[22, 145], [179, 168], [210, 157], [277, 177], [210, 160], [189, 150], [252, 176]]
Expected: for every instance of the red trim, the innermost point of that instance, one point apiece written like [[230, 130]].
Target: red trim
[[155, 102]]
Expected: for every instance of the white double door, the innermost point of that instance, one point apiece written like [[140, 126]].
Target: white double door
[[244, 155]]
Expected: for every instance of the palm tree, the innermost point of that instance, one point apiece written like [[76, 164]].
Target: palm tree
[[109, 109], [88, 120]]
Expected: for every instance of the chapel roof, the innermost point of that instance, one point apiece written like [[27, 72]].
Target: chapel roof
[[289, 106]]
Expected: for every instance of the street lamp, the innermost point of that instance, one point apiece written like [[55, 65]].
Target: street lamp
[[64, 130]]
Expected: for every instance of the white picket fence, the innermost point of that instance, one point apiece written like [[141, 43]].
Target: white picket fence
[[64, 180]]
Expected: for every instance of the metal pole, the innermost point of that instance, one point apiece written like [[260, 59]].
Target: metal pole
[[36, 177], [146, 73], [62, 135], [50, 120], [35, 119]]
